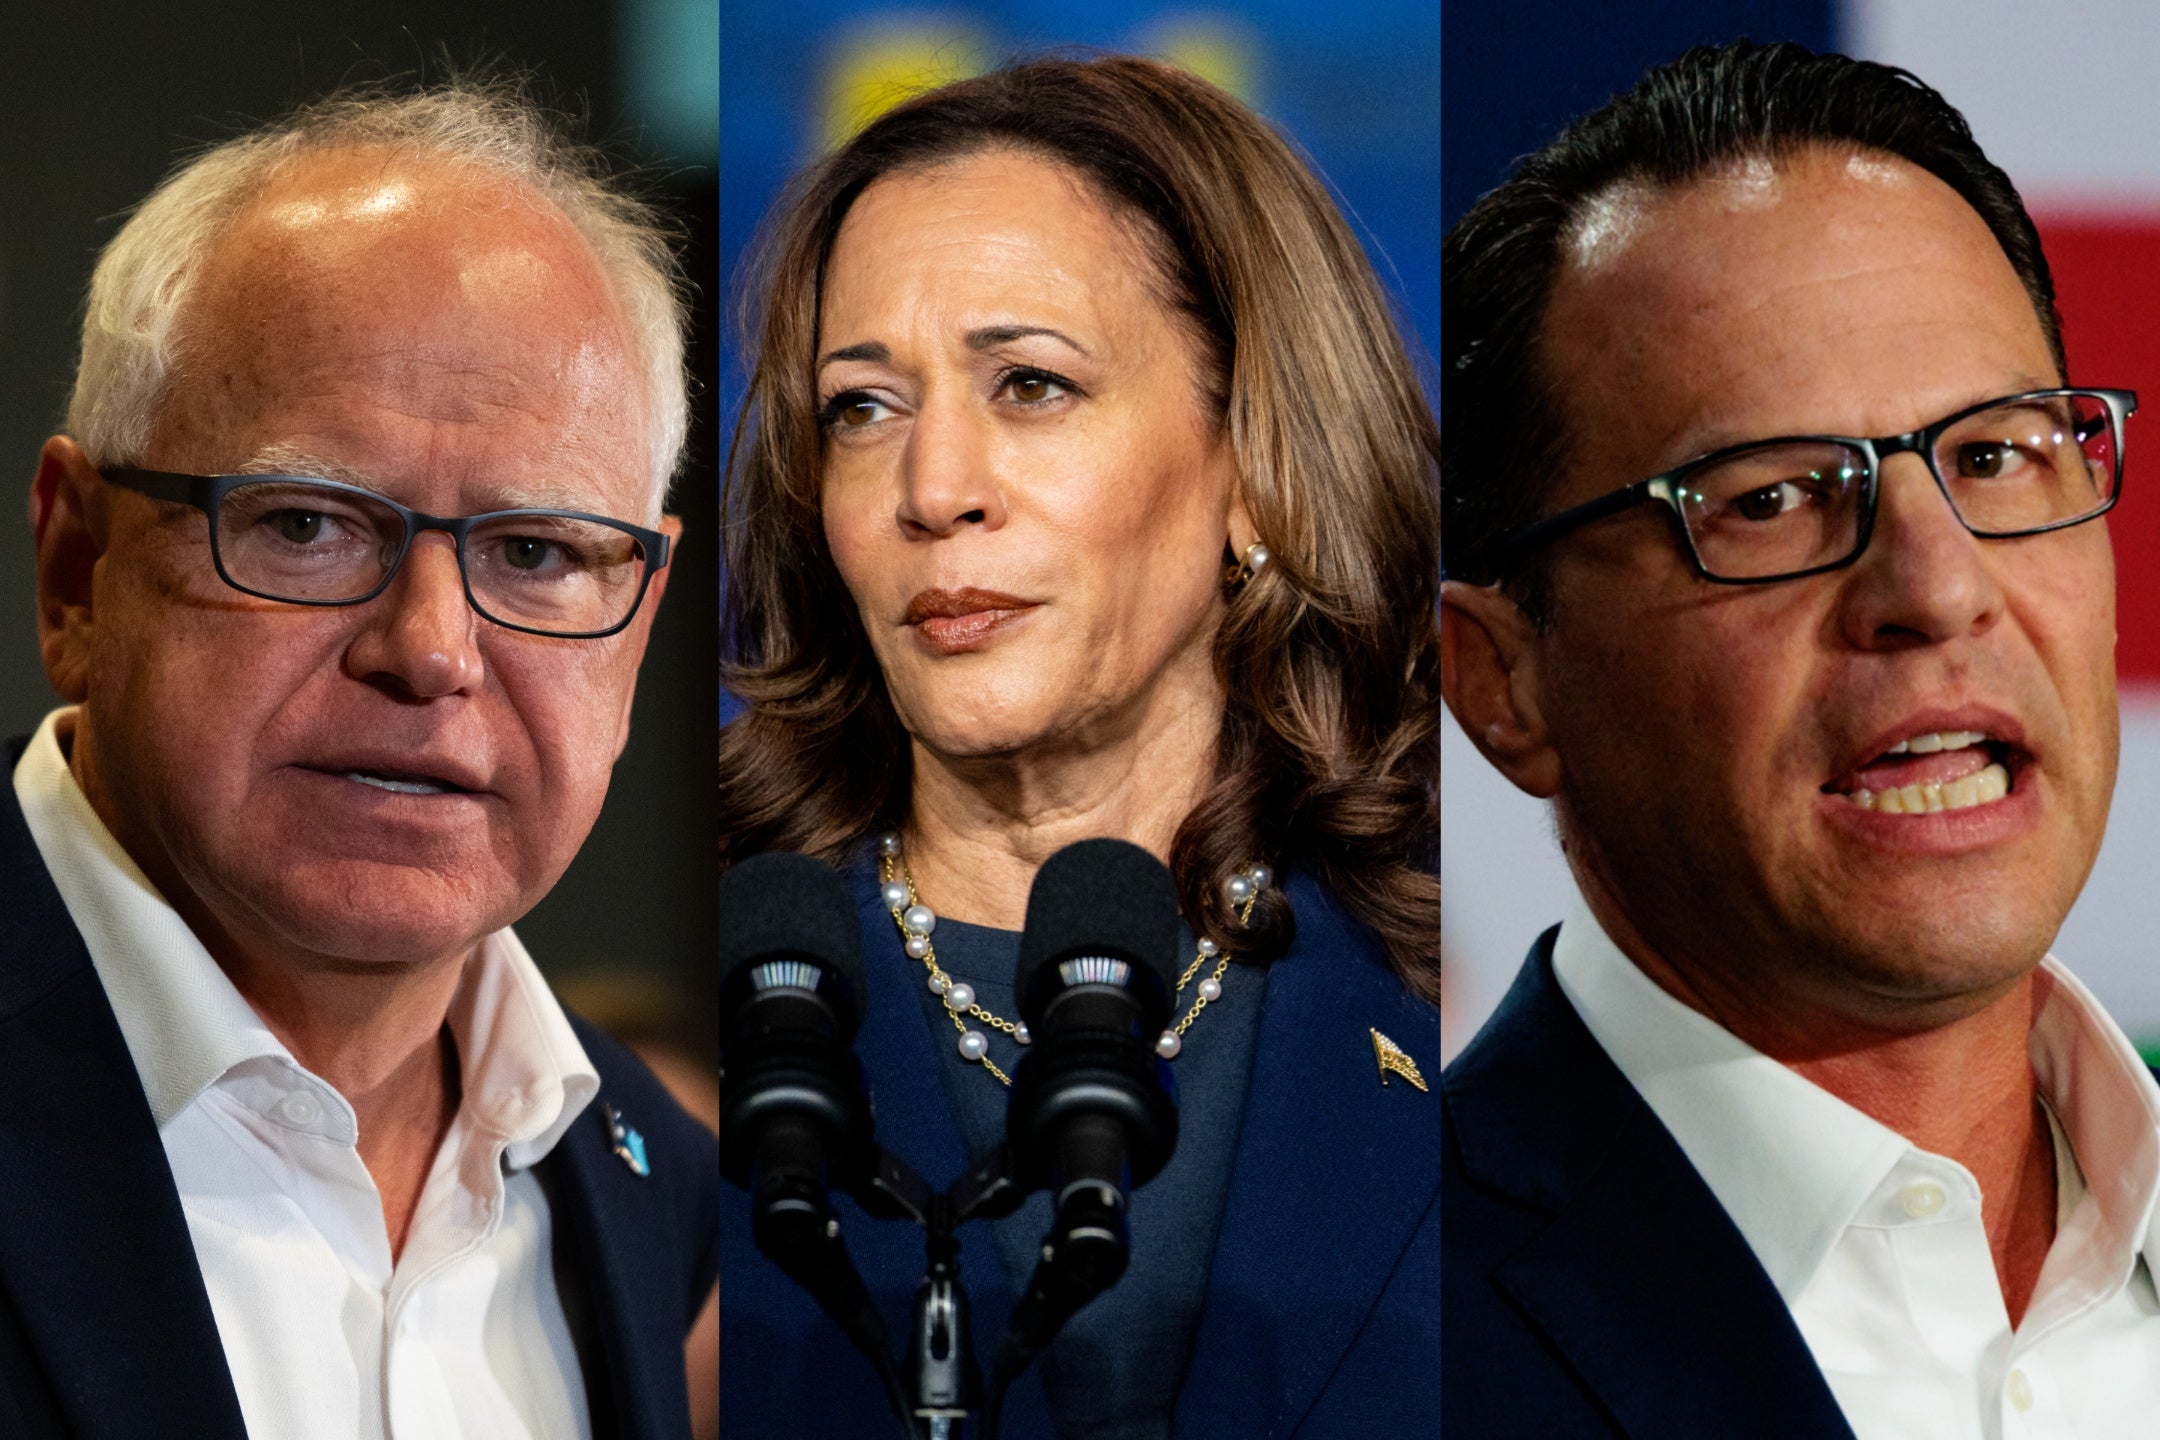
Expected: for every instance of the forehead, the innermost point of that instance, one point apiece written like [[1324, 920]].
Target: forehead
[[997, 230], [395, 315], [1824, 291]]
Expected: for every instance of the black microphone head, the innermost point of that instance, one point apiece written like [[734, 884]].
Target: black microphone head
[[1099, 898], [791, 982], [783, 906]]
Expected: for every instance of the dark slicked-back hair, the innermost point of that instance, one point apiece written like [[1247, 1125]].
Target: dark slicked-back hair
[[1504, 438]]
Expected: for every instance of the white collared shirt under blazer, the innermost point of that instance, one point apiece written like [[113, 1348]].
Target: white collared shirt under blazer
[[1878, 1246], [464, 1337]]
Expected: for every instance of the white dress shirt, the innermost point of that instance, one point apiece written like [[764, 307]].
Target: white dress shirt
[[464, 1337], [1878, 1246]]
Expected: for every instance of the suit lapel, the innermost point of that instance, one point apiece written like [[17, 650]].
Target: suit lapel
[[1640, 1280], [609, 1207], [95, 1254], [1320, 1135]]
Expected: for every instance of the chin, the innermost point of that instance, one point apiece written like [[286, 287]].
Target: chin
[[387, 914], [983, 723], [1945, 967]]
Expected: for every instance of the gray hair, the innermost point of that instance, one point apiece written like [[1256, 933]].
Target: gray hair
[[143, 278]]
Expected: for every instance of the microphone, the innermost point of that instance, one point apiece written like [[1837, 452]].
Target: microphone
[[1092, 1114], [795, 1116]]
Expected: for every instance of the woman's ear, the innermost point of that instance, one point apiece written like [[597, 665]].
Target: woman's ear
[[1242, 532], [1490, 657]]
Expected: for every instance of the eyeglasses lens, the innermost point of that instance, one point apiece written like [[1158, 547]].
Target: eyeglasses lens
[[2029, 465], [553, 572], [1794, 506], [1776, 509], [293, 541]]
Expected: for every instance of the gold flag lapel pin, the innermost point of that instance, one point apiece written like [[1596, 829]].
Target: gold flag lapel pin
[[1393, 1058]]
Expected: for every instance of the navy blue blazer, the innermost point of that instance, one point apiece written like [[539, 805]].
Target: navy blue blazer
[[106, 1331], [1320, 1318], [1594, 1286]]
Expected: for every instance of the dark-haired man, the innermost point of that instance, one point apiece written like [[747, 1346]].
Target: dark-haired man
[[1777, 564]]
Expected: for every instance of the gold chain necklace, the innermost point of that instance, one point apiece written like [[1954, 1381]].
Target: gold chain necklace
[[916, 921]]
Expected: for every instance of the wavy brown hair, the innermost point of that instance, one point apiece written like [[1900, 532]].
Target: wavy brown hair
[[1329, 757]]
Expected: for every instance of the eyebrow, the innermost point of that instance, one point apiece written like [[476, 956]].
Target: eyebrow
[[872, 350], [282, 459], [987, 337], [990, 336], [1725, 438], [279, 458]]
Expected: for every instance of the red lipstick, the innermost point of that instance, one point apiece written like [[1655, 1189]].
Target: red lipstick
[[953, 622]]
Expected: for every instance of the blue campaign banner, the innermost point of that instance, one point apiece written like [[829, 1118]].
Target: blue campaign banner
[[1356, 86], [1512, 75]]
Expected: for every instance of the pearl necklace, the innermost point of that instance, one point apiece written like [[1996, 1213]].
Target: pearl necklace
[[896, 887]]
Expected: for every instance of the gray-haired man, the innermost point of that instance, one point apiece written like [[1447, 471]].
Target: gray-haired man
[[346, 565]]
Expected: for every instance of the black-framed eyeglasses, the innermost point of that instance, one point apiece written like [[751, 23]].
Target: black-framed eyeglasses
[[1802, 504], [308, 541]]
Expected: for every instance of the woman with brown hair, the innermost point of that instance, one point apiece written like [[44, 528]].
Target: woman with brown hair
[[1084, 488]]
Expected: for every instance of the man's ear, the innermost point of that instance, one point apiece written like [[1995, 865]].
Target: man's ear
[[1489, 675], [648, 611], [68, 520]]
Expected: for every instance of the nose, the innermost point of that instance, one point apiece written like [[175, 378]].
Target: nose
[[1924, 578], [949, 471], [421, 638]]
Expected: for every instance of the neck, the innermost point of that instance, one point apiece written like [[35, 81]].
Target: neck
[[978, 828], [379, 1036], [376, 1033], [1961, 1087]]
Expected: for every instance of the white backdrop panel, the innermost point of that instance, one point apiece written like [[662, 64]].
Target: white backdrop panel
[[2062, 95]]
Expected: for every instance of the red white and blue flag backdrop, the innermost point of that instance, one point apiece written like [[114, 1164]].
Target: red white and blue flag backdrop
[[2065, 97]]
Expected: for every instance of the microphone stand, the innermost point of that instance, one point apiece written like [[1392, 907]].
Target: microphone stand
[[940, 1382], [1084, 1254], [938, 1385]]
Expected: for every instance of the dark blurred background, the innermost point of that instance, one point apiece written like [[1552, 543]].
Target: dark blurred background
[[101, 99]]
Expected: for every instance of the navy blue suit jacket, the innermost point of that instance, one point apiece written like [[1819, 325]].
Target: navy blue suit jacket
[[1594, 1286], [1321, 1315], [106, 1331]]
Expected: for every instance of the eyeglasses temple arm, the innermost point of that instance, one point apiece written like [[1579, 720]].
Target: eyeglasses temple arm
[[1552, 527], [162, 484]]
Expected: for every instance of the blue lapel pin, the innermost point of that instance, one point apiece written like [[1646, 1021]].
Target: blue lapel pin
[[629, 1146]]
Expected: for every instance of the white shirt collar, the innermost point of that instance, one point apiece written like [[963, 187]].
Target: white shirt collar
[[1793, 1165], [525, 1076]]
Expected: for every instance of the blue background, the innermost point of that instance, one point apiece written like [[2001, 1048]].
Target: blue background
[[1513, 74], [1355, 85]]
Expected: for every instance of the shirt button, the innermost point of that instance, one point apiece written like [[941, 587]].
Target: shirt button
[[2021, 1392], [300, 1108], [1922, 1200]]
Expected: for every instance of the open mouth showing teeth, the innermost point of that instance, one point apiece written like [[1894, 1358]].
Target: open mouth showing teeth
[[1928, 774], [401, 784]]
